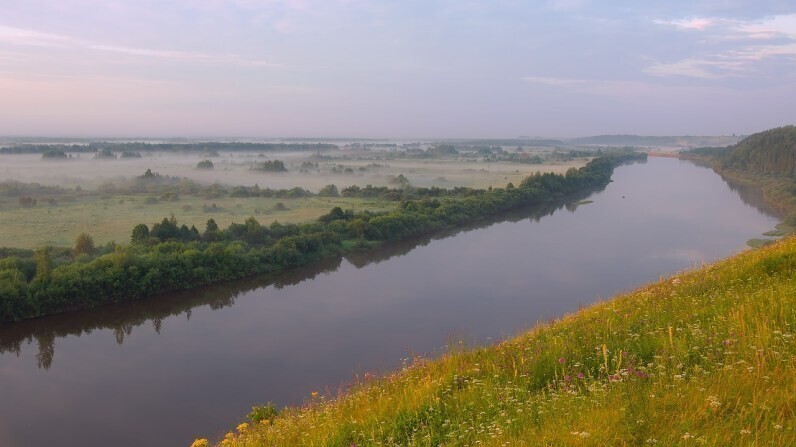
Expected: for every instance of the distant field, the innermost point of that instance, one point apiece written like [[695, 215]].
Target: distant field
[[111, 217]]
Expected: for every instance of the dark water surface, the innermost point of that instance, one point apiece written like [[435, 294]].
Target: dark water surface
[[167, 370]]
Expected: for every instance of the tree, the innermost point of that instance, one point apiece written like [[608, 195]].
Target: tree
[[44, 263], [270, 166], [166, 229], [211, 226], [140, 233], [211, 230], [84, 244], [329, 191]]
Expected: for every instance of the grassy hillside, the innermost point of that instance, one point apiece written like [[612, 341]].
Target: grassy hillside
[[704, 358]]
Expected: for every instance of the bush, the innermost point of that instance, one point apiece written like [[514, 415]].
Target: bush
[[204, 164], [261, 413], [84, 244]]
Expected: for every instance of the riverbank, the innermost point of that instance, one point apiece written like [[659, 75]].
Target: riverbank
[[706, 356]]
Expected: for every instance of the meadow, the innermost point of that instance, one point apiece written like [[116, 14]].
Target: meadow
[[94, 205], [706, 357], [110, 218]]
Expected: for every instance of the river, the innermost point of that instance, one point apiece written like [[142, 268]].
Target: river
[[166, 370]]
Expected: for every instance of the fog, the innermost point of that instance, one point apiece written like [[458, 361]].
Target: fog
[[234, 168]]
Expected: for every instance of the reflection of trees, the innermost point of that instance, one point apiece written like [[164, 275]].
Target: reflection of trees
[[752, 196], [122, 318], [749, 194], [46, 344]]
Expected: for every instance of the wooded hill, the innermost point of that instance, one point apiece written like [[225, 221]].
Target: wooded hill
[[771, 152]]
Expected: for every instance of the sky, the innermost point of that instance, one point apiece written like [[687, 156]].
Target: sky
[[395, 69]]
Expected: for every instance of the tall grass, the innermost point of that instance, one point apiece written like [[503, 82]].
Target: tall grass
[[706, 357]]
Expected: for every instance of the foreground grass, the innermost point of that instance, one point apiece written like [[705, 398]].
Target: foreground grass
[[704, 358]]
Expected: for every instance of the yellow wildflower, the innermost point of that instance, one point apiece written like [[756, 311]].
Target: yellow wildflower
[[242, 427], [200, 443]]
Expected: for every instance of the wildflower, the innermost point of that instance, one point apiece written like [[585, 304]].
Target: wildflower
[[687, 436], [242, 427], [713, 402], [745, 431], [314, 394], [200, 443], [581, 376], [562, 360]]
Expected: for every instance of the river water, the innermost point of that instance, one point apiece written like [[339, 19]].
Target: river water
[[166, 370]]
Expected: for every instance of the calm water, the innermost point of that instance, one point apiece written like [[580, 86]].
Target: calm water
[[166, 370]]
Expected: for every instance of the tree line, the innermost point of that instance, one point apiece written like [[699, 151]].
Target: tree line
[[133, 147]]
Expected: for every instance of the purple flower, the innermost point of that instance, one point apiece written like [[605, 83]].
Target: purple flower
[[562, 360]]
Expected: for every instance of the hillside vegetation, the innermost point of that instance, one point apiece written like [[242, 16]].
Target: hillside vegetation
[[704, 358], [772, 152]]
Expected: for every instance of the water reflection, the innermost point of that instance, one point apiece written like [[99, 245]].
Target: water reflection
[[753, 197], [122, 318], [749, 194]]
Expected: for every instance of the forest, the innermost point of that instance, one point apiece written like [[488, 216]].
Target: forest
[[771, 152]]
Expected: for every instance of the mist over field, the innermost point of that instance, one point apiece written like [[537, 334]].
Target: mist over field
[[102, 193], [235, 169]]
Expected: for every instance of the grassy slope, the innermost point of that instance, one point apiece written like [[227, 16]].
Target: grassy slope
[[704, 358]]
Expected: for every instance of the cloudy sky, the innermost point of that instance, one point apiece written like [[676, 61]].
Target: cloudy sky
[[399, 69]]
